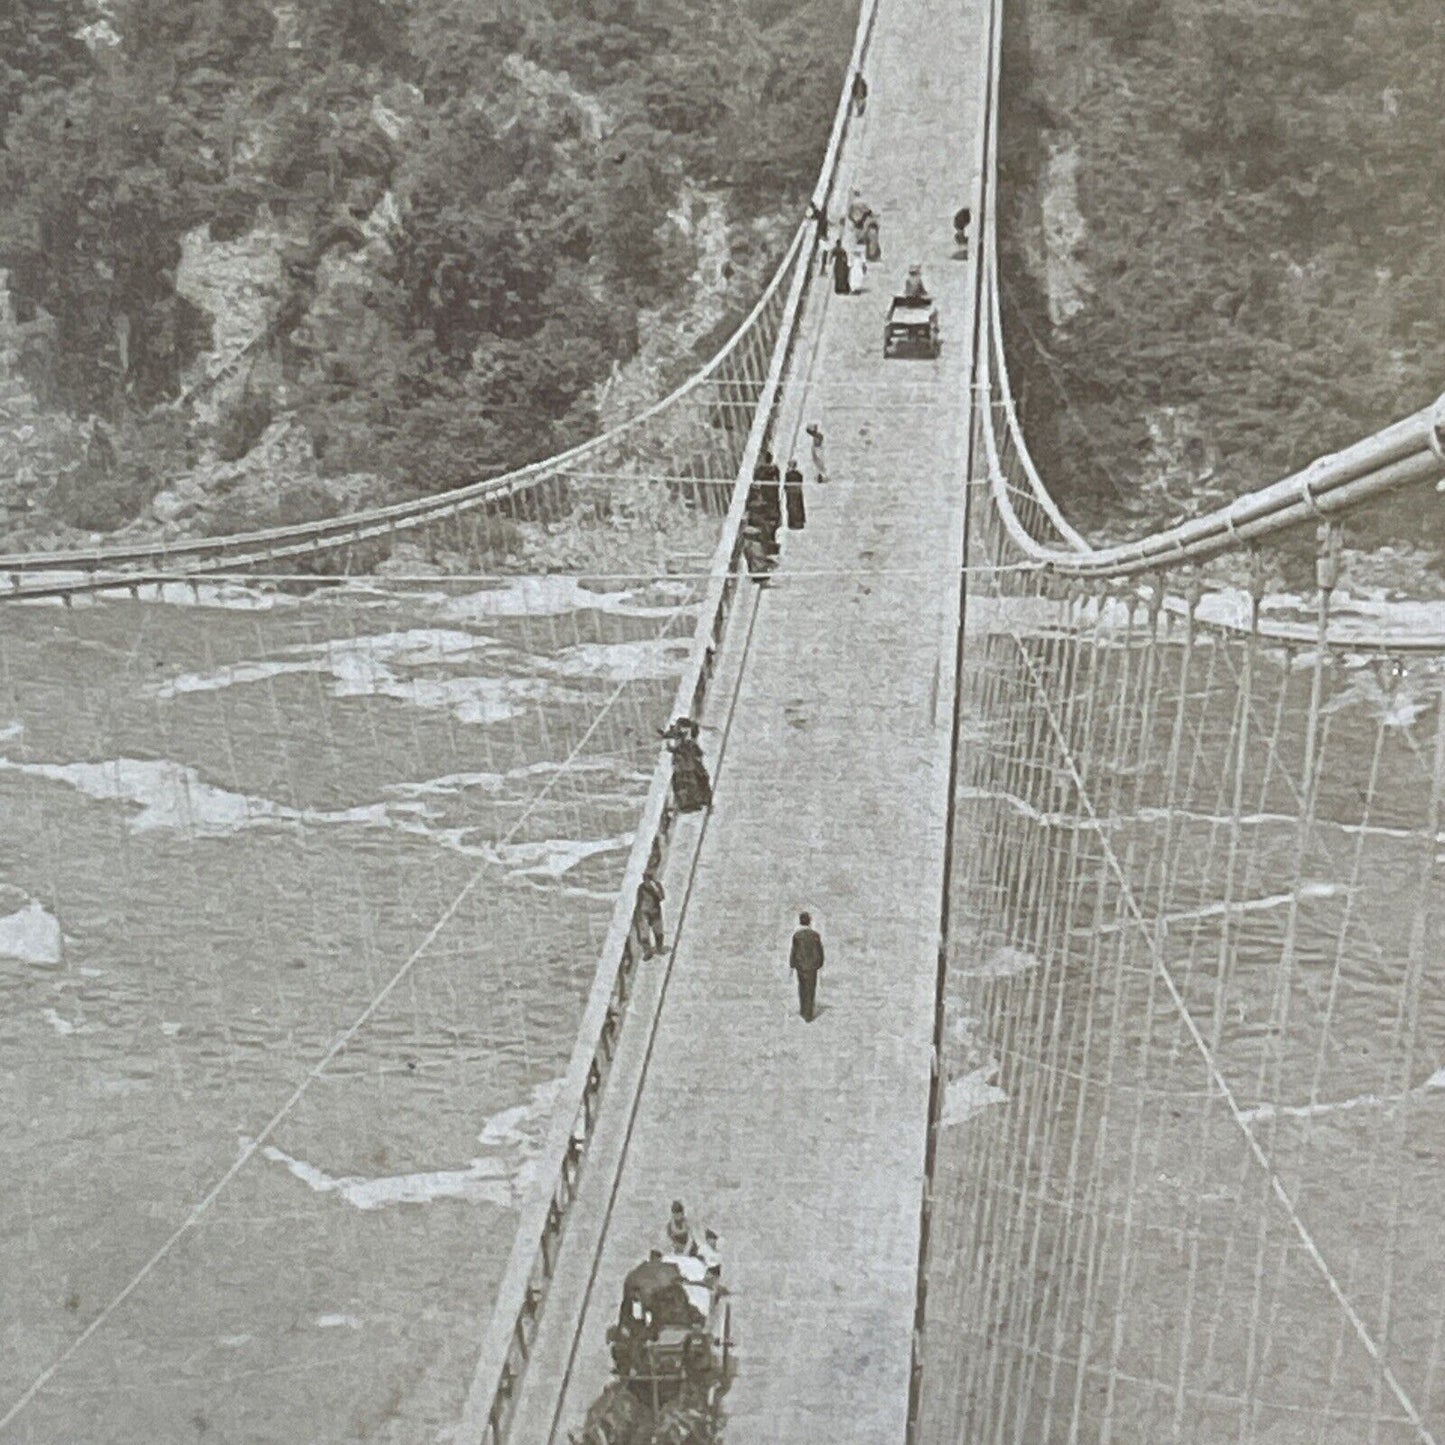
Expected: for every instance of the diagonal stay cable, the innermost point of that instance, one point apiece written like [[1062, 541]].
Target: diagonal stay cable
[[338, 1046], [1281, 1194]]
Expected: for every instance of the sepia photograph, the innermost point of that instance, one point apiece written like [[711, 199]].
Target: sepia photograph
[[722, 722]]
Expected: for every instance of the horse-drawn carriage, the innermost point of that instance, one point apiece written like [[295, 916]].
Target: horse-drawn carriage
[[912, 326], [671, 1355]]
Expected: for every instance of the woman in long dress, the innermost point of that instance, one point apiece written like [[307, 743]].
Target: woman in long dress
[[872, 246], [691, 788], [842, 282], [690, 785]]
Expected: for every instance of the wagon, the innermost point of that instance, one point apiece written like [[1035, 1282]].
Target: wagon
[[672, 1332], [912, 326]]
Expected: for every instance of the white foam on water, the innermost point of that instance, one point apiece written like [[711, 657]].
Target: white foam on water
[[64, 1026], [237, 675], [971, 1094], [1309, 1111], [450, 784], [480, 700], [1436, 1081], [11, 731], [412, 647], [649, 658], [1003, 962], [1219, 908], [1396, 708], [171, 795], [170, 1030], [665, 588], [552, 857], [961, 1030], [483, 1183], [1232, 607], [32, 935], [57, 576], [352, 661], [233, 596], [365, 667], [515, 1134], [336, 1322], [506, 1128], [550, 596], [623, 769]]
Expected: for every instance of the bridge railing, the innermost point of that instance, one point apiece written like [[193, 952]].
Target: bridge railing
[[507, 1346]]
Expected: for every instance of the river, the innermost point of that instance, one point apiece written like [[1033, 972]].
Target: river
[[241, 826]]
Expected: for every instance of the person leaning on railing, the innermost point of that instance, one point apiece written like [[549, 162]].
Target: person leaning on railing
[[648, 920], [691, 788]]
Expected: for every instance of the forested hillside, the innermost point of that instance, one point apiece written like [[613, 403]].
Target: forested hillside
[[1224, 237], [264, 260]]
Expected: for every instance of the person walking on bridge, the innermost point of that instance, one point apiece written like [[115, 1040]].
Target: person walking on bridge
[[820, 467], [805, 958]]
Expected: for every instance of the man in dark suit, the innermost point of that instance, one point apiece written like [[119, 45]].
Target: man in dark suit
[[805, 959]]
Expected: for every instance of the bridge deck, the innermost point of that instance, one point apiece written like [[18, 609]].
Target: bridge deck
[[804, 1144]]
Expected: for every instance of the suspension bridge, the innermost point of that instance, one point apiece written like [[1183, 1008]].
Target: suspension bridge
[[348, 1096]]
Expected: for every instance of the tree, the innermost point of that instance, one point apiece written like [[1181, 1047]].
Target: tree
[[40, 49]]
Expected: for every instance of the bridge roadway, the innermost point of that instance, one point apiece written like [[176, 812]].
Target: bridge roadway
[[803, 1144]]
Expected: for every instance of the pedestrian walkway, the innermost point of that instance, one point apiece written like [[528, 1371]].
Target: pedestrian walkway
[[803, 1144]]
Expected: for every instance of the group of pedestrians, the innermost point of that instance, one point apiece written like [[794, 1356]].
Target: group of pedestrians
[[849, 263], [777, 496], [857, 246], [691, 793]]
